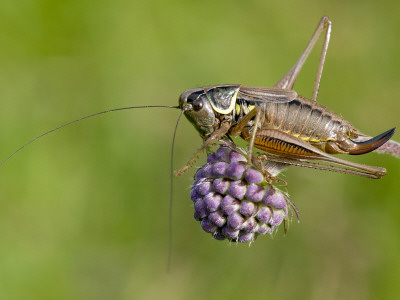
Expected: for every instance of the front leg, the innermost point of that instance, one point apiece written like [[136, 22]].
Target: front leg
[[238, 128], [215, 136]]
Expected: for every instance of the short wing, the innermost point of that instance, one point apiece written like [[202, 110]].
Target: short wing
[[266, 94]]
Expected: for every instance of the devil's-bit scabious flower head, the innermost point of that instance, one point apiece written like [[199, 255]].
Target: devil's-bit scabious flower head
[[234, 201]]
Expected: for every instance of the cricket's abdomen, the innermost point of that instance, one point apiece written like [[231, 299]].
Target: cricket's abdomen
[[306, 119]]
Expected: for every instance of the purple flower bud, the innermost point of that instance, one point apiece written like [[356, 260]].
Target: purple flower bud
[[212, 201], [248, 209], [203, 187], [264, 214], [277, 218], [250, 225], [217, 218], [199, 174], [230, 233], [222, 153], [246, 237], [194, 195], [201, 209], [207, 171], [253, 176], [208, 226], [221, 185], [219, 169], [255, 192], [235, 221], [237, 189], [229, 205], [275, 199], [211, 158], [236, 157], [264, 229], [235, 170]]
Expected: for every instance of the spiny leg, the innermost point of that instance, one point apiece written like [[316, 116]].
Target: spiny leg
[[293, 150], [238, 128], [288, 80], [220, 132], [231, 145], [253, 134]]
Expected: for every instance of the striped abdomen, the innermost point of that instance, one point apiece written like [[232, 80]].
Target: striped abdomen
[[308, 120]]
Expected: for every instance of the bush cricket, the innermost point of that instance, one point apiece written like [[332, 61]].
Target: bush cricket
[[290, 128]]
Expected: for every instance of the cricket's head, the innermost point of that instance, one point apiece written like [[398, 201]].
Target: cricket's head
[[198, 110]]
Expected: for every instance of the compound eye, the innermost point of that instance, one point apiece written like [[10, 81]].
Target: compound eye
[[197, 104]]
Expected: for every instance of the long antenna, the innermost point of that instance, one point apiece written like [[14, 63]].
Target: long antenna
[[81, 119], [172, 157], [171, 194]]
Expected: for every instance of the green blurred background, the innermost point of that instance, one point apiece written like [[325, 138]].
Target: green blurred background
[[84, 211]]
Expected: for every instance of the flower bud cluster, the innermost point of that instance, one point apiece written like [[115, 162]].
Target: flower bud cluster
[[233, 200]]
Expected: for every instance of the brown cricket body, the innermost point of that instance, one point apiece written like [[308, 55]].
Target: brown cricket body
[[290, 128], [315, 124]]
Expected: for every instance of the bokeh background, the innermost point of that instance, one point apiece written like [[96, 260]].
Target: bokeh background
[[84, 211]]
